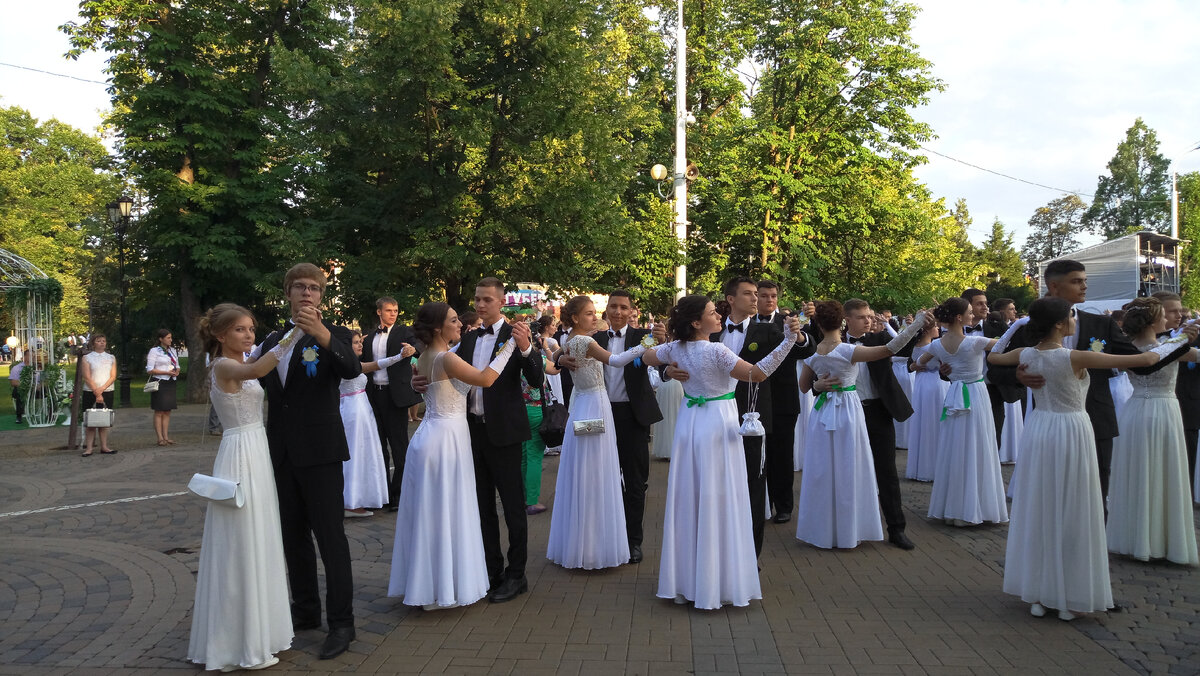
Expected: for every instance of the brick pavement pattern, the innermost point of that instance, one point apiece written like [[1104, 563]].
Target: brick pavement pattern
[[99, 556]]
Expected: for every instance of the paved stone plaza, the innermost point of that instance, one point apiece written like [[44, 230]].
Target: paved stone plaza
[[98, 561]]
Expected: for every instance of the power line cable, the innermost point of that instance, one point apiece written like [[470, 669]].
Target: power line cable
[[46, 72], [1011, 178]]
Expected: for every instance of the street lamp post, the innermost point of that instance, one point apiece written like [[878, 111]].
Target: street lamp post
[[119, 213]]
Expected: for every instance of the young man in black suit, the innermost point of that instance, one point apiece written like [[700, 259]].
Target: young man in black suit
[[308, 447], [779, 445], [390, 391], [981, 309], [634, 410], [498, 423], [883, 403], [1067, 279], [1187, 384]]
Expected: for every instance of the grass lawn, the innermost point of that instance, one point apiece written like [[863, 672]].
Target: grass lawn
[[137, 398]]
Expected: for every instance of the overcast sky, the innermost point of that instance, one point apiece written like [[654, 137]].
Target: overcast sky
[[1041, 90]]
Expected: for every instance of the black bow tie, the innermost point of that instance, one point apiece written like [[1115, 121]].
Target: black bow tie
[[854, 341], [733, 327], [485, 330], [615, 334], [381, 330], [972, 329], [766, 318]]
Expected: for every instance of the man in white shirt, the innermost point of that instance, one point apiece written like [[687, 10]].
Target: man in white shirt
[[390, 391]]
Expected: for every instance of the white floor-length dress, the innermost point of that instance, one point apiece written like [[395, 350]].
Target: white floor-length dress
[[967, 483], [364, 473], [587, 520], [1056, 553], [1149, 496], [929, 394], [242, 616], [839, 500], [806, 404], [905, 378], [708, 538], [437, 558], [1010, 435], [670, 397]]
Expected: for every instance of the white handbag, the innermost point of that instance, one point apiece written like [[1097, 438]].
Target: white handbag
[[592, 426], [98, 416], [151, 385], [751, 425], [220, 491]]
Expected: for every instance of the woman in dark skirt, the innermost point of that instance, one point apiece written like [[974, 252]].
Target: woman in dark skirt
[[162, 365]]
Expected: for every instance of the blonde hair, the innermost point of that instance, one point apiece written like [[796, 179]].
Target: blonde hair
[[218, 320]]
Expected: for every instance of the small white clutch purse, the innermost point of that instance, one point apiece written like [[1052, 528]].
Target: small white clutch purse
[[751, 425], [584, 427], [220, 491]]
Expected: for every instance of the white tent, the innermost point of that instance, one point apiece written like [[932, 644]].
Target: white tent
[[1125, 268]]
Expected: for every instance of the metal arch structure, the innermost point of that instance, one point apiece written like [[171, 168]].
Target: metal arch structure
[[33, 326]]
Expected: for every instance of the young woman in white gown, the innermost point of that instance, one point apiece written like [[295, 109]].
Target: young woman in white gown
[[242, 616], [587, 521], [669, 395], [364, 473], [708, 553], [929, 393], [437, 559], [968, 488], [806, 403], [839, 500], [1150, 496], [1056, 555]]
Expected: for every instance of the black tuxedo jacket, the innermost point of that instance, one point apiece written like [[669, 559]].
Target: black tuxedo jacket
[[399, 374], [304, 421], [503, 406], [761, 338], [1091, 327], [883, 378], [785, 385], [637, 382], [1009, 391]]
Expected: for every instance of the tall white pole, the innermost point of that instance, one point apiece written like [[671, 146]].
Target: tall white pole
[[681, 221], [1174, 205]]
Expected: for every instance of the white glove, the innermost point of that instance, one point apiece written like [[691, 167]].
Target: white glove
[[501, 360], [769, 363], [285, 343], [627, 356], [905, 337], [387, 362]]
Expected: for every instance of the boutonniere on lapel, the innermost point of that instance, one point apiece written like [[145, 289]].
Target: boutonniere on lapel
[[1097, 345], [753, 347], [308, 357], [648, 341], [499, 346]]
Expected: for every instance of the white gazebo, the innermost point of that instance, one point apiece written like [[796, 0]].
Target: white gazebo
[[31, 298]]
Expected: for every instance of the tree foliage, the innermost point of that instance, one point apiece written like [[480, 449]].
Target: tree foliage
[[1188, 186], [1054, 230], [1135, 194], [1004, 269]]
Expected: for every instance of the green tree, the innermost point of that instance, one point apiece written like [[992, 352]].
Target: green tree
[[55, 181], [1003, 267], [1054, 229], [1135, 194], [1189, 229]]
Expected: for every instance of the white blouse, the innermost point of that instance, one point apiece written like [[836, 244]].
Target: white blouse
[[162, 360], [101, 365]]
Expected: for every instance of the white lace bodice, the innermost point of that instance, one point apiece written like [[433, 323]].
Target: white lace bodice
[[708, 365], [933, 365], [353, 385], [1063, 392], [837, 363], [590, 373], [446, 397], [240, 408], [1160, 384], [967, 362]]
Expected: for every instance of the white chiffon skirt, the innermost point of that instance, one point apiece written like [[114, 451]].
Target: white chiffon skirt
[[905, 378], [587, 521], [708, 538], [670, 397], [364, 473], [806, 404], [438, 554], [929, 391], [967, 484], [242, 616], [1010, 435], [1056, 551]]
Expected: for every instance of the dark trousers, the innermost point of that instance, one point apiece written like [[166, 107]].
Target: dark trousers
[[310, 505], [392, 422], [1104, 461], [633, 452], [18, 404], [498, 470], [1190, 437], [781, 462], [758, 488], [881, 431], [997, 410]]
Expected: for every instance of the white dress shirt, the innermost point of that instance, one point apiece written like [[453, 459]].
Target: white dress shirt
[[735, 339], [614, 376], [485, 347], [379, 351], [282, 367], [862, 384]]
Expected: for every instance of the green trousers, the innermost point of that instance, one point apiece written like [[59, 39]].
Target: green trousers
[[531, 457]]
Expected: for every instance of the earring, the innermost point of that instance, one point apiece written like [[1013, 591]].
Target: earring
[[843, 324]]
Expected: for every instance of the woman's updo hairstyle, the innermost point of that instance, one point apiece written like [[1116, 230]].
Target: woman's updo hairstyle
[[572, 308], [724, 309], [429, 319], [829, 315], [1044, 313], [1140, 313], [217, 321], [949, 310], [689, 309]]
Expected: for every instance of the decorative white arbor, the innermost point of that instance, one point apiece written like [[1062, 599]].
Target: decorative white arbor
[[31, 297]]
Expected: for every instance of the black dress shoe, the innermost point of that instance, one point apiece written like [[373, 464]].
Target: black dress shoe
[[635, 554], [901, 540], [393, 508], [782, 517], [301, 624], [336, 642], [509, 590]]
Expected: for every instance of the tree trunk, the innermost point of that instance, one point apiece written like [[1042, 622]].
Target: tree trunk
[[189, 306]]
